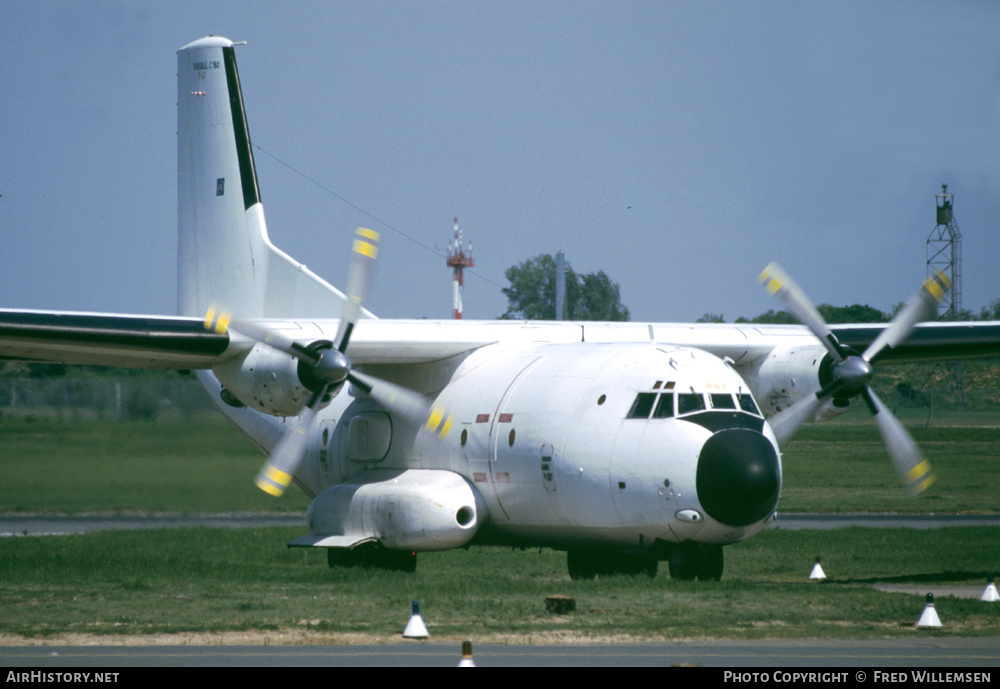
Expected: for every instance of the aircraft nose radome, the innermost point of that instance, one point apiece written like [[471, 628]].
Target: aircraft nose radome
[[738, 477]]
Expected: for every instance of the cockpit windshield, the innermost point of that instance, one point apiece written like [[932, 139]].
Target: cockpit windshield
[[666, 403], [688, 402]]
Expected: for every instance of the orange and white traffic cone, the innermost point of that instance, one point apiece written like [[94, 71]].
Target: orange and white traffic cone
[[466, 660]]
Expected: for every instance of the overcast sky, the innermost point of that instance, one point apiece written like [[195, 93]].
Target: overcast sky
[[678, 146]]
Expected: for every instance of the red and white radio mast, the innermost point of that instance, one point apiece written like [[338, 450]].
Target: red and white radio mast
[[458, 260]]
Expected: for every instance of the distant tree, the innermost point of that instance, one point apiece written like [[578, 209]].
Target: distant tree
[[856, 313], [599, 300], [532, 293], [772, 316], [711, 318], [991, 312], [831, 314]]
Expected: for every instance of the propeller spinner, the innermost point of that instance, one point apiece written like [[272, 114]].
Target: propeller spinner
[[851, 372], [328, 367]]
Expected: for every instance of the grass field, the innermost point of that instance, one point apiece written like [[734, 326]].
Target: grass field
[[194, 581], [177, 466]]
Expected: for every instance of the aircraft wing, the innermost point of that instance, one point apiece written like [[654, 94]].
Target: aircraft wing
[[184, 343], [171, 342], [939, 341], [155, 342]]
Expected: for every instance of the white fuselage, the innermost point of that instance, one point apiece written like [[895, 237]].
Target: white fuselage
[[549, 437]]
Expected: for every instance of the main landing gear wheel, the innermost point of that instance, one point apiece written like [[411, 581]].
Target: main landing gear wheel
[[372, 556], [586, 564], [703, 561]]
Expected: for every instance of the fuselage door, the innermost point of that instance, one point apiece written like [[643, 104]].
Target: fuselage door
[[329, 457]]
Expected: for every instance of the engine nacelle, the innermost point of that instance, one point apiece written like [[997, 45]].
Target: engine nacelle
[[267, 380], [787, 375], [418, 509]]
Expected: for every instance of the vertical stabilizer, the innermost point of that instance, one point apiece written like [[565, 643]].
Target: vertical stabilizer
[[224, 256]]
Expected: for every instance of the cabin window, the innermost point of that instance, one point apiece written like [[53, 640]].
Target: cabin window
[[642, 406], [688, 402]]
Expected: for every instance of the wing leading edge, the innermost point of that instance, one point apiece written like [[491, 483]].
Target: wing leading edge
[[942, 341], [123, 341], [181, 343]]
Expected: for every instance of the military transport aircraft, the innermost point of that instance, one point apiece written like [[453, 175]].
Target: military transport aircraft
[[623, 444]]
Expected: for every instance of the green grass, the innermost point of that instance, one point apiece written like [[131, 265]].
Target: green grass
[[843, 467], [176, 581], [217, 580], [74, 466]]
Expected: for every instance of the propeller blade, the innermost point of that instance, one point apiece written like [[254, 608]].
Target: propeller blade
[[221, 321], [788, 421], [922, 306], [411, 405], [914, 470], [359, 279], [852, 373], [277, 473], [331, 367], [776, 281]]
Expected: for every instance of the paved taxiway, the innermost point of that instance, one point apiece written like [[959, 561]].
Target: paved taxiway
[[897, 653]]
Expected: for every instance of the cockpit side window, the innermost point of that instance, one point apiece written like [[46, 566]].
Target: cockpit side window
[[642, 406], [747, 403]]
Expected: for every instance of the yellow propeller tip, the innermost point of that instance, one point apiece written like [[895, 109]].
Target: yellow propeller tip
[[368, 234], [772, 275], [273, 480], [217, 320], [925, 484], [270, 489]]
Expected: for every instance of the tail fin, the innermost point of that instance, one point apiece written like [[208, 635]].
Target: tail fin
[[224, 255]]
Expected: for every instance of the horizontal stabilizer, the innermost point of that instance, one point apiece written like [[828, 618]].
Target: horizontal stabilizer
[[333, 541]]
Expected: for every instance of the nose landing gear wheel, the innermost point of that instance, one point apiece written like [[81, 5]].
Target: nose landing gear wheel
[[690, 560], [587, 564]]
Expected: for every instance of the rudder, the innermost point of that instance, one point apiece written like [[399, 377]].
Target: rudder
[[224, 255]]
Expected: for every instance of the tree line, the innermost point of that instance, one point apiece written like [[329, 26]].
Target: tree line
[[855, 313], [596, 297]]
